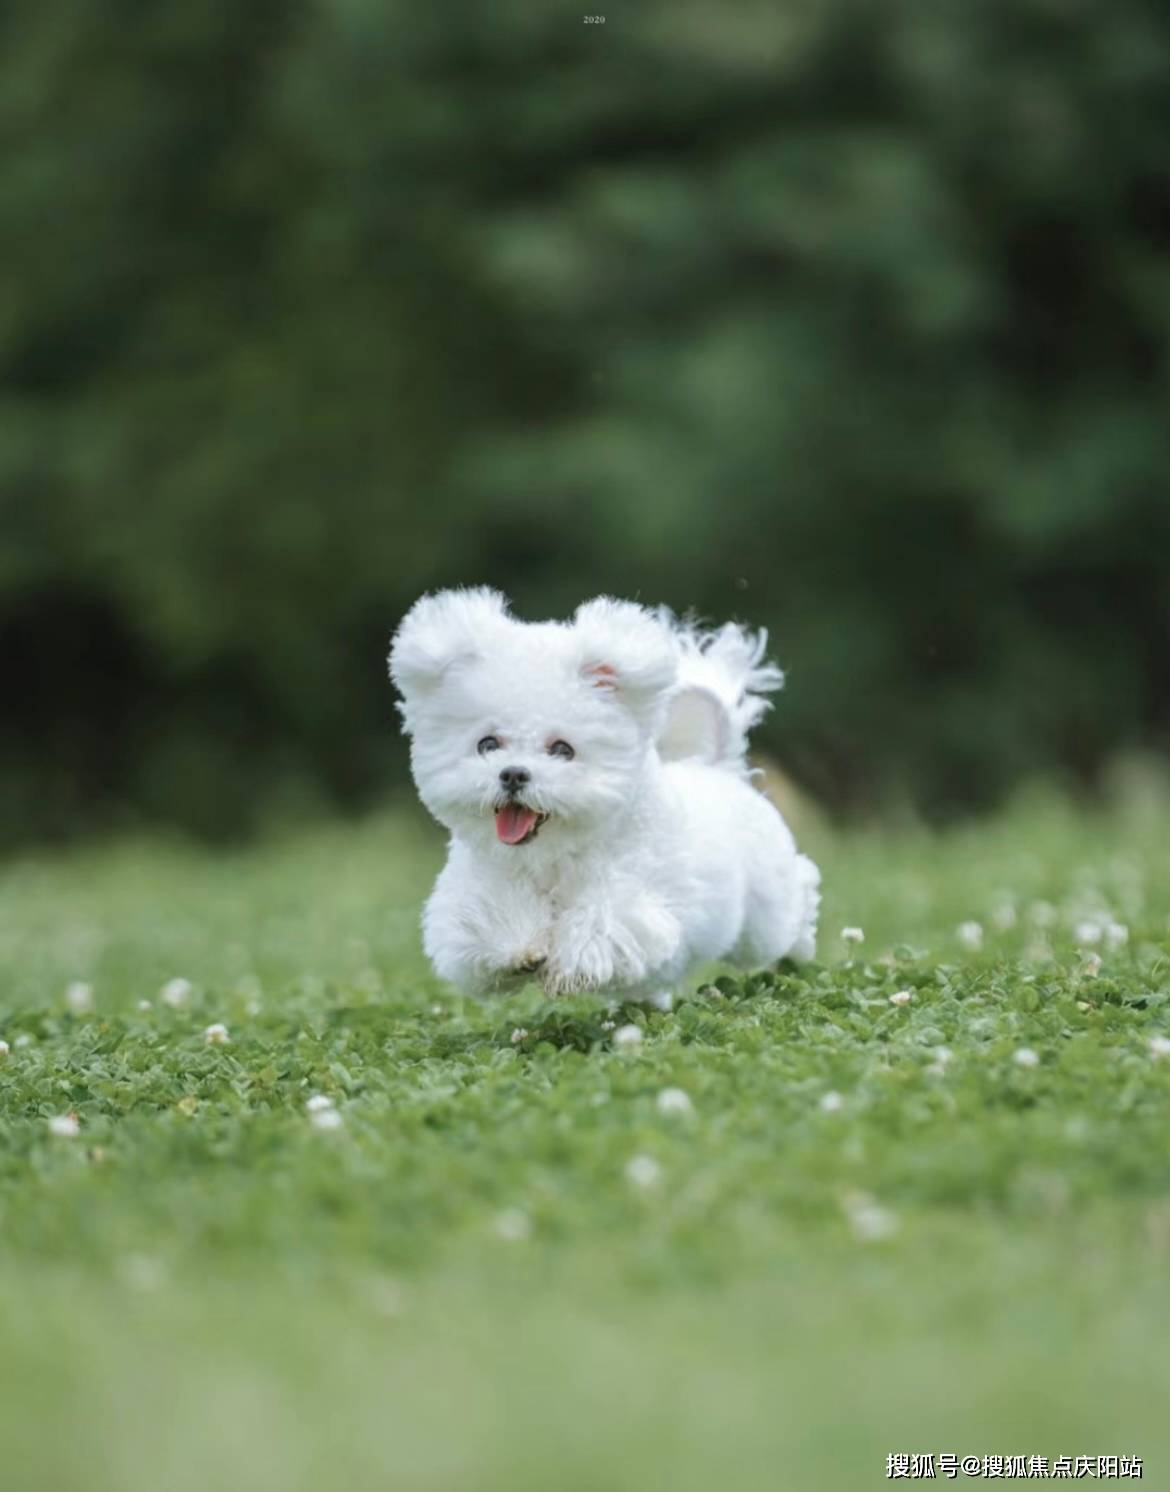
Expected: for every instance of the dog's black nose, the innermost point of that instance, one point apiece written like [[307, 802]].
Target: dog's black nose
[[514, 778]]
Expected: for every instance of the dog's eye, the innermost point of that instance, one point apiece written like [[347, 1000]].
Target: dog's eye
[[562, 749], [488, 743]]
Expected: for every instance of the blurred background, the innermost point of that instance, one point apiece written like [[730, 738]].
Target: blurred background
[[849, 319]]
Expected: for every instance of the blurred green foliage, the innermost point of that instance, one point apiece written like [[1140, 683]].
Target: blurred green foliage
[[850, 319]]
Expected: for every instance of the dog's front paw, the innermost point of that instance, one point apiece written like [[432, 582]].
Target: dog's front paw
[[607, 946], [588, 960], [592, 968]]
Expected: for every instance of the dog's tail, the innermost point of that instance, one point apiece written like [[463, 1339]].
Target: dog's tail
[[723, 681]]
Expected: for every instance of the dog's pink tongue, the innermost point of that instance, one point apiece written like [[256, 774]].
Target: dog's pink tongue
[[513, 823]]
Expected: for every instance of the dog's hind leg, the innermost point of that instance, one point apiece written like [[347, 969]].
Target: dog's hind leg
[[781, 918]]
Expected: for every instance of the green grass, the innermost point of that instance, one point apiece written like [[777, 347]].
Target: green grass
[[462, 1285]]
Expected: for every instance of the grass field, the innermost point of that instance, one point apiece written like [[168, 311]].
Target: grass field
[[500, 1258]]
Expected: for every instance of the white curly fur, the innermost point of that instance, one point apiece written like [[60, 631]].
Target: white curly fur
[[653, 852]]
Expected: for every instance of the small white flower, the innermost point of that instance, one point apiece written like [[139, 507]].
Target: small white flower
[[4, 1049], [608, 1025], [142, 1272], [874, 1224], [325, 1119], [627, 1036], [216, 1034], [1003, 916], [175, 992], [942, 1059], [674, 1101], [1087, 932], [317, 1103], [65, 1126], [643, 1171], [1116, 936], [1026, 1057], [24, 1039], [901, 997], [852, 935], [144, 1005], [1091, 965], [386, 1296], [1159, 1047], [831, 1102], [79, 997], [519, 1035], [870, 1222], [970, 934], [513, 1226]]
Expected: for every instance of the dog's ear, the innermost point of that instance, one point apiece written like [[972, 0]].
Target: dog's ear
[[626, 651], [696, 726], [440, 631]]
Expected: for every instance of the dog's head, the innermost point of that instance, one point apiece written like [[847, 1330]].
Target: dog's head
[[519, 729]]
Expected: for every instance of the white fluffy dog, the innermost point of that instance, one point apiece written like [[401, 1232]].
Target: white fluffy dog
[[604, 831]]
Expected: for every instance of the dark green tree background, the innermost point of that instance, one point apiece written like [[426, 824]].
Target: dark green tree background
[[847, 318]]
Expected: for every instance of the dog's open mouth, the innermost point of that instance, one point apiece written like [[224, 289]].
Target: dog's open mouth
[[516, 824]]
